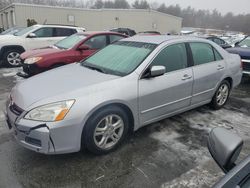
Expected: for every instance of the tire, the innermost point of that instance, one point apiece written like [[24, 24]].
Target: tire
[[221, 95], [99, 137], [11, 58]]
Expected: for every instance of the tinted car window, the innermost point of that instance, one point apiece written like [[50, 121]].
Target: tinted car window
[[96, 42], [202, 53], [217, 55], [44, 32], [114, 38], [62, 32], [173, 57]]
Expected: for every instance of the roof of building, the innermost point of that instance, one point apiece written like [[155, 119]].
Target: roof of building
[[87, 9]]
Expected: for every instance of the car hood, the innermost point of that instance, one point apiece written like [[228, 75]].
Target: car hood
[[39, 52], [243, 52], [57, 82], [9, 39]]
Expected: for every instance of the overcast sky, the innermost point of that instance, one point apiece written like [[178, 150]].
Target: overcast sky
[[224, 6]]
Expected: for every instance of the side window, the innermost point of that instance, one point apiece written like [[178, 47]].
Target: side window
[[173, 57], [96, 42], [44, 32], [114, 38], [217, 55], [63, 32], [202, 53]]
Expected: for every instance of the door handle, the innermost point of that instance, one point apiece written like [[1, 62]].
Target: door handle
[[220, 67], [186, 77]]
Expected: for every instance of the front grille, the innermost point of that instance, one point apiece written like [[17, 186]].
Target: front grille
[[16, 110], [33, 141], [246, 66]]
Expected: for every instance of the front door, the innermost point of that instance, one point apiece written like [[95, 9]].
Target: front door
[[169, 93]]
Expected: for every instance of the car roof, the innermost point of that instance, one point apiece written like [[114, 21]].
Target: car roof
[[156, 39]]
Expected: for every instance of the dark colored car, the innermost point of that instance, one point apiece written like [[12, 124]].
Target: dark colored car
[[243, 49], [149, 33], [126, 31], [225, 147], [69, 50], [218, 41]]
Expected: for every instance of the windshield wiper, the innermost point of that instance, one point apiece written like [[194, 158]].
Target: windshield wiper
[[93, 67]]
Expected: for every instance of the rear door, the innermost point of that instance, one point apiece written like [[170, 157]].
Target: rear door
[[170, 92], [208, 70]]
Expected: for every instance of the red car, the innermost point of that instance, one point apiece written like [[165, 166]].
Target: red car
[[69, 50]]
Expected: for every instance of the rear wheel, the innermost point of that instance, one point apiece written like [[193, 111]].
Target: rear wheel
[[221, 95], [105, 130], [11, 58]]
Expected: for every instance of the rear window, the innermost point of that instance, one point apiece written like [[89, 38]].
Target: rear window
[[62, 32]]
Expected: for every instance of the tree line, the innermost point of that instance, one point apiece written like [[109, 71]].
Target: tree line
[[191, 17]]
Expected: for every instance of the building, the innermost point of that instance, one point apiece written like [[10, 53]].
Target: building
[[92, 19]]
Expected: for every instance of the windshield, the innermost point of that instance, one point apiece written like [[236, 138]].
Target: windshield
[[70, 41], [120, 58], [245, 43], [11, 31], [24, 31]]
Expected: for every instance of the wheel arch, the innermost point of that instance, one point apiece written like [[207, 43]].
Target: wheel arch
[[120, 104], [9, 47], [230, 80]]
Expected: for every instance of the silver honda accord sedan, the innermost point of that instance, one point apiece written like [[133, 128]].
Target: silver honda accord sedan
[[129, 84]]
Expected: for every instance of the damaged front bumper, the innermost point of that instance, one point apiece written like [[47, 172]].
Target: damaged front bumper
[[36, 137]]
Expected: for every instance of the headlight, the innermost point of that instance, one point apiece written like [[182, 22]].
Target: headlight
[[50, 112], [32, 60]]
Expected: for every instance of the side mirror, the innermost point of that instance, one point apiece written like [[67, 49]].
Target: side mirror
[[83, 47], [31, 35], [225, 147], [157, 71]]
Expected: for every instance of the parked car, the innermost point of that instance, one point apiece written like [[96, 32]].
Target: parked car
[[149, 33], [125, 31], [225, 148], [69, 50], [218, 41], [243, 49], [12, 30], [37, 36], [128, 84]]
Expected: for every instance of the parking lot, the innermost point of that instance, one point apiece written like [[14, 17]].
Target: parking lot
[[170, 153]]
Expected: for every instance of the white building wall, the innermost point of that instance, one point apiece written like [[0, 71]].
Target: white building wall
[[101, 19]]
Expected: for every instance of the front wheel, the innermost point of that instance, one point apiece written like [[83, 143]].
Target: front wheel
[[221, 95], [105, 130], [11, 58]]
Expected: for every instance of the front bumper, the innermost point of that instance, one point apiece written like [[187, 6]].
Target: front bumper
[[43, 137], [31, 69]]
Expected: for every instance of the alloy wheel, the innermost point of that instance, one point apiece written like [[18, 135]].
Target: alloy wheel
[[222, 94], [14, 59], [108, 131]]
